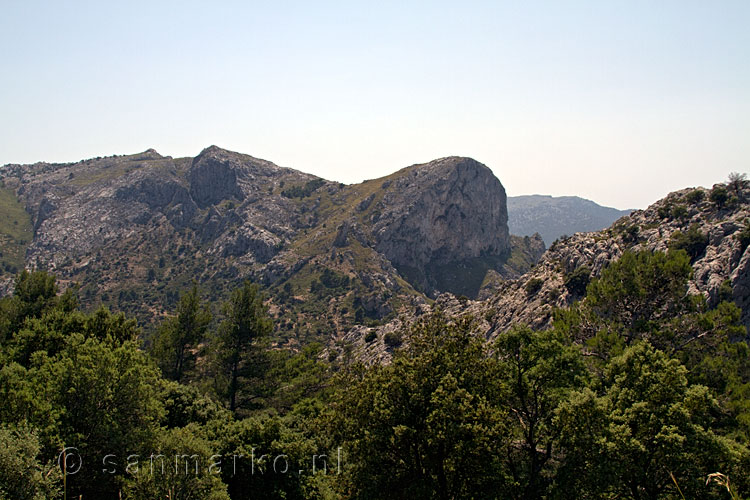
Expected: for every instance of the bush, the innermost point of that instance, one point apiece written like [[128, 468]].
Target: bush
[[693, 241], [679, 212], [533, 286], [303, 191], [695, 196], [370, 337], [393, 339], [22, 475], [630, 234], [577, 281], [719, 195], [743, 237], [725, 291], [665, 211]]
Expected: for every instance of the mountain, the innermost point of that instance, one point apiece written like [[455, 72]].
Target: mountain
[[555, 216], [716, 234], [135, 230]]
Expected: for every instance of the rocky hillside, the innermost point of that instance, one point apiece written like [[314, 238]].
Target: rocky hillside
[[556, 216], [135, 230], [716, 234]]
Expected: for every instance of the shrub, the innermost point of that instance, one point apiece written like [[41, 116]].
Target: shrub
[[393, 339], [743, 237], [737, 182], [725, 291], [303, 191], [679, 211], [695, 196], [665, 211], [533, 286], [577, 281], [630, 234], [370, 336], [693, 241], [719, 195]]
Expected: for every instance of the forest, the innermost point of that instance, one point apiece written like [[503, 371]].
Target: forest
[[639, 390]]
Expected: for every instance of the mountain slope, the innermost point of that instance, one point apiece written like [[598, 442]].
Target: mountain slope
[[553, 217], [135, 230], [717, 235]]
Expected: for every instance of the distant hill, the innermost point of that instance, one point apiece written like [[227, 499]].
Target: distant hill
[[554, 216]]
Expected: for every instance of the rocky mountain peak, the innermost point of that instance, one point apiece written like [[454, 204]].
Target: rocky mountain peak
[[445, 212]]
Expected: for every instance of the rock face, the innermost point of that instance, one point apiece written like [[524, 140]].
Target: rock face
[[442, 213]]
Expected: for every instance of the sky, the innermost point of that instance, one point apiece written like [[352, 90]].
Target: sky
[[617, 101]]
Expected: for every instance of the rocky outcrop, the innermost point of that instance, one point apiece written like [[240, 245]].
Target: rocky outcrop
[[212, 178], [441, 213]]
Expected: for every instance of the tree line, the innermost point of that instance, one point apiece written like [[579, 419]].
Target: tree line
[[639, 391]]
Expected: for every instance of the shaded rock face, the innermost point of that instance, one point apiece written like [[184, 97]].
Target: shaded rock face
[[442, 213]]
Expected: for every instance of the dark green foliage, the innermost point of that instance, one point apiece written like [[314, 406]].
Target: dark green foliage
[[393, 339], [176, 341], [24, 474], [426, 426], [693, 241], [665, 210], [533, 286], [679, 211], [636, 382], [695, 196], [181, 470], [743, 237], [641, 289], [34, 294], [536, 370], [737, 183], [304, 190], [648, 423], [238, 358], [577, 281], [630, 234], [273, 458], [719, 195], [725, 291]]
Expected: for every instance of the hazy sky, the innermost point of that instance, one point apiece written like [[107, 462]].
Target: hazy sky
[[616, 101]]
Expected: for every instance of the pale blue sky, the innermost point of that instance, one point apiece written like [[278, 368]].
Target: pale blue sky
[[617, 101]]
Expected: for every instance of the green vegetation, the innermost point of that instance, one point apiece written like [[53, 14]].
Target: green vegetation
[[695, 196], [246, 323], [719, 195], [178, 337], [533, 286], [304, 190], [637, 390], [693, 241], [15, 232], [577, 281]]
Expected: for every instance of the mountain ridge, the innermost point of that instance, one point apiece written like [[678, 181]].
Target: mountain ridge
[[556, 216], [135, 230]]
